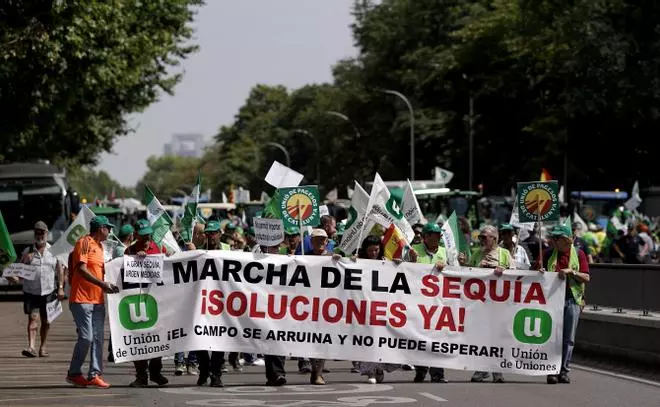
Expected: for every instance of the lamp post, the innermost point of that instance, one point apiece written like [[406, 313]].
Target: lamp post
[[318, 152], [470, 136], [412, 128], [346, 119], [283, 149]]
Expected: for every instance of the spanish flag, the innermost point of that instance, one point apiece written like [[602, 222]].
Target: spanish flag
[[545, 175], [395, 245]]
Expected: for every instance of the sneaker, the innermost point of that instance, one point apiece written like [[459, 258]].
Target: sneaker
[[224, 369], [77, 381], [139, 382], [97, 381], [439, 379], [479, 377], [279, 381], [216, 381], [259, 362], [319, 381], [192, 369], [563, 378], [552, 379], [498, 378], [178, 369], [419, 377], [371, 380], [159, 379], [380, 376]]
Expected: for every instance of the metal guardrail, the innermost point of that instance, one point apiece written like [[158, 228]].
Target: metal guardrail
[[624, 286]]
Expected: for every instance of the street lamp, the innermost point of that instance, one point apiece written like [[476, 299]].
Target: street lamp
[[283, 149], [470, 137], [318, 152], [412, 128], [346, 119]]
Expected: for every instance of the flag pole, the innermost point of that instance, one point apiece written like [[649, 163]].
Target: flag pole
[[538, 214], [302, 235]]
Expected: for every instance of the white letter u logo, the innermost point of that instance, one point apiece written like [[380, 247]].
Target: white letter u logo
[[142, 315]]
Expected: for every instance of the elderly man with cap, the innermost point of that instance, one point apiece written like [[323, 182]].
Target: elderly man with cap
[[571, 264], [87, 303], [429, 251], [146, 370], [489, 255], [40, 291], [509, 241]]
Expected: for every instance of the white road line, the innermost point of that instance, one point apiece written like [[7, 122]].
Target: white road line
[[617, 375], [432, 397]]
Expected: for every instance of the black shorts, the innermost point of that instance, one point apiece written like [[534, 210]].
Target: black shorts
[[32, 302]]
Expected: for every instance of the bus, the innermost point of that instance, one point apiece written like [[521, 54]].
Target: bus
[[597, 206]]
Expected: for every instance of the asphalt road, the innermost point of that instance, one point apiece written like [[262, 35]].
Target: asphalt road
[[40, 382]]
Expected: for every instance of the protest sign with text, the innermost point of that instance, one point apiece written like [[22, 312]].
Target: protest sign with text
[[147, 269], [316, 307], [20, 270], [268, 232]]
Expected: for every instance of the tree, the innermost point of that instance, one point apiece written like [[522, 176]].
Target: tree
[[71, 72], [91, 184]]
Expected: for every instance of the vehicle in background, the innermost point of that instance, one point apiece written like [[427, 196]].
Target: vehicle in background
[[650, 201], [35, 191], [216, 210], [114, 215], [597, 206]]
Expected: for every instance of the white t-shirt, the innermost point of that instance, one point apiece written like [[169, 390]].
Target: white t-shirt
[[44, 281]]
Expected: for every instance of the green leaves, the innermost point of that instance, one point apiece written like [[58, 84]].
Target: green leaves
[[71, 71]]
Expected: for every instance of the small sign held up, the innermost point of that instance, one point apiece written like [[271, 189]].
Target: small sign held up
[[148, 269], [20, 270], [268, 232], [53, 310]]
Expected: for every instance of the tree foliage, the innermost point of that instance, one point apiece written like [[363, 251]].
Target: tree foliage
[[546, 77], [169, 176], [71, 71], [91, 184]]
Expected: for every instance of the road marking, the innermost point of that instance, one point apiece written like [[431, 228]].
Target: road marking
[[432, 397], [617, 375], [62, 396], [248, 389]]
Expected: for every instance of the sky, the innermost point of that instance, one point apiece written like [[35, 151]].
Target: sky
[[242, 43]]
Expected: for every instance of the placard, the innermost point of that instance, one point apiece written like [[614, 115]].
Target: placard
[[146, 269]]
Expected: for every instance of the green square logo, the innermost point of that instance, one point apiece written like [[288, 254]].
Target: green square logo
[[538, 201], [138, 311], [532, 326], [76, 233], [300, 205]]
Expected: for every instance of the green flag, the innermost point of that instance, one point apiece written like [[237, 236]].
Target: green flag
[[7, 252], [160, 221], [190, 212], [272, 210]]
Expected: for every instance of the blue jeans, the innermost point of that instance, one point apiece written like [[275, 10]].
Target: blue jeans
[[179, 356], [89, 319], [571, 318]]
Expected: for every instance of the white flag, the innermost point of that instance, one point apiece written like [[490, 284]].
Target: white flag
[[635, 200], [384, 209], [356, 220], [443, 176], [410, 207], [281, 176], [450, 233]]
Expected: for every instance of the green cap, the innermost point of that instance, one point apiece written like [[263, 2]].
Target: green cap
[[230, 226], [562, 231], [144, 228], [126, 230], [212, 226], [431, 228], [506, 226], [292, 231], [100, 221]]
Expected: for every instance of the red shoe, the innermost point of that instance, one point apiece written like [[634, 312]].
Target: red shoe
[[97, 381], [77, 381]]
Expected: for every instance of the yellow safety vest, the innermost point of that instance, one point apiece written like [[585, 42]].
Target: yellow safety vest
[[504, 257], [424, 257], [577, 288]]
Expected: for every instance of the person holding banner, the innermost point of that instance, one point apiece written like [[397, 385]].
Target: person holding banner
[[329, 226], [146, 370], [489, 255], [429, 251], [291, 240], [87, 303], [40, 291], [571, 264], [319, 239], [510, 242]]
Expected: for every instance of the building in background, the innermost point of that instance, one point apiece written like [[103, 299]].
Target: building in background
[[185, 145]]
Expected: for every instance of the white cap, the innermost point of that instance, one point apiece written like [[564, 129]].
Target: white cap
[[319, 233]]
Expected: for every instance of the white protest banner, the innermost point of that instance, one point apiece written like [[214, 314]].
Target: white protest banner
[[20, 270], [53, 310], [147, 269], [268, 232], [315, 307]]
